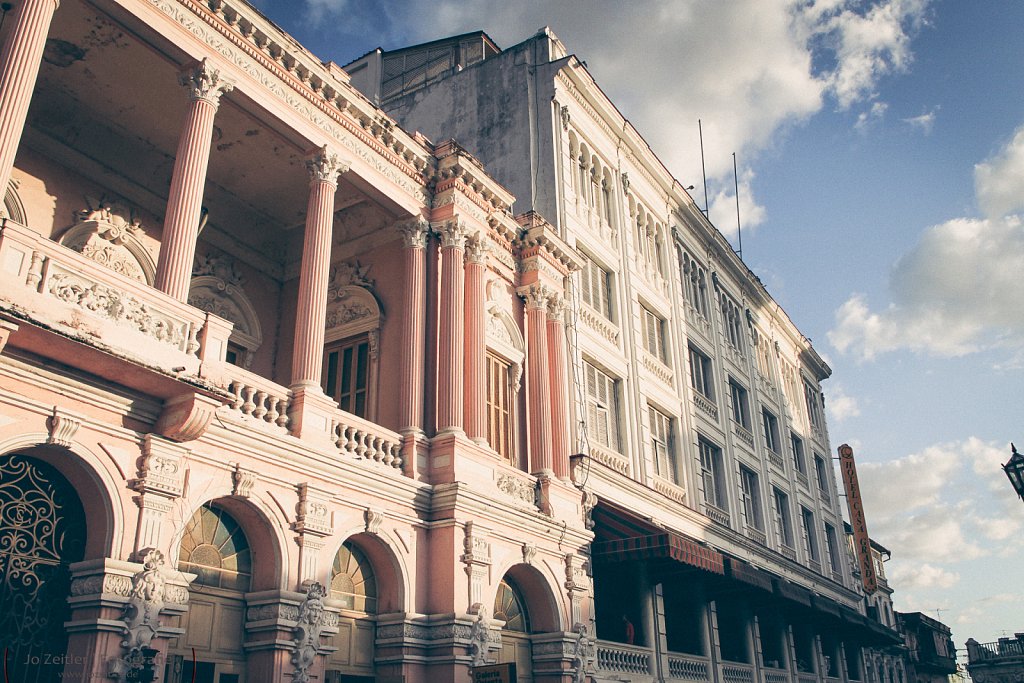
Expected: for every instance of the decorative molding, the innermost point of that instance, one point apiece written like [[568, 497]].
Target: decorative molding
[[62, 428], [529, 553], [589, 503], [476, 249], [141, 615], [453, 234], [204, 82], [536, 295], [312, 512], [479, 635], [162, 468], [518, 489], [110, 234], [186, 417], [582, 653]]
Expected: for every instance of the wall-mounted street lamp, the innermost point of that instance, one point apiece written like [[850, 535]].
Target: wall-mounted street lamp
[[1014, 469]]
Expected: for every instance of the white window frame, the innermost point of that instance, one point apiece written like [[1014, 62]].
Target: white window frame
[[602, 407]]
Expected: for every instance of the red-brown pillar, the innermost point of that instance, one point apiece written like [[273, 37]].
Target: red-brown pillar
[[19, 66], [414, 304], [476, 341], [558, 382], [311, 313], [539, 393], [452, 330], [185, 199]]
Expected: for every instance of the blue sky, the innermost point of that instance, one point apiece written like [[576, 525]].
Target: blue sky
[[881, 155]]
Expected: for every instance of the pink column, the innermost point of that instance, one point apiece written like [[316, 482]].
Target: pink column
[[414, 303], [476, 341], [449, 362], [185, 199], [311, 313], [559, 384], [19, 67], [539, 394]]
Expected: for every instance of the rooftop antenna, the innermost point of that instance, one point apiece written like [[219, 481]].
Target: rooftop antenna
[[736, 184], [703, 173]]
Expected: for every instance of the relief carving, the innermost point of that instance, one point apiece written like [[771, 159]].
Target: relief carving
[[307, 632]]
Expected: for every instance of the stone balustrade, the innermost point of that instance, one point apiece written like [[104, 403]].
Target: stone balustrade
[[733, 672], [257, 400], [364, 440], [688, 668], [620, 658]]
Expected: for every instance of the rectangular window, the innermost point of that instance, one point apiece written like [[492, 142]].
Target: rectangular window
[[654, 334], [661, 444], [711, 472], [597, 291], [602, 408], [347, 372], [740, 404], [822, 476], [764, 357], [695, 286], [700, 374], [783, 522], [832, 548], [813, 399], [751, 494], [500, 416], [770, 425], [810, 533], [797, 445]]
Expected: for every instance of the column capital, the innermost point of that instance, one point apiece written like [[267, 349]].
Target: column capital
[[414, 232], [536, 296], [204, 82], [324, 166], [556, 307], [453, 233], [476, 248]]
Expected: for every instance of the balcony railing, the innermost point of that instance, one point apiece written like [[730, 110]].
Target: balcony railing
[[706, 405], [733, 672], [688, 668], [258, 400], [716, 514], [743, 434], [806, 678], [626, 659], [1005, 648], [775, 675], [365, 440], [776, 460]]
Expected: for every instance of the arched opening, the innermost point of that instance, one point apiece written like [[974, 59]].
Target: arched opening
[[216, 549], [524, 602], [365, 583], [42, 532]]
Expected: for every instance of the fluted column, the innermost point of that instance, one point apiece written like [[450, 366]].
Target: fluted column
[[449, 362], [185, 199], [19, 66], [476, 341], [311, 313], [414, 303], [537, 297], [558, 382]]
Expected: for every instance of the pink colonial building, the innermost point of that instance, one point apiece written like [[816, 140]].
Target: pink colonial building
[[276, 377]]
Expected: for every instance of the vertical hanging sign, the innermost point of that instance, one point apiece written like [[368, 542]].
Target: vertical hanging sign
[[861, 540]]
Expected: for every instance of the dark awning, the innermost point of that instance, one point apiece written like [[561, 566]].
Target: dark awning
[[791, 591], [627, 537], [826, 605], [748, 574]]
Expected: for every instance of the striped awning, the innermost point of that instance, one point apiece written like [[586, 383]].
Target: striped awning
[[748, 574], [626, 537]]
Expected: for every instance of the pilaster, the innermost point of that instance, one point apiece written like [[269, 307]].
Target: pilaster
[[415, 234], [452, 331], [558, 382], [539, 393], [476, 341], [313, 523], [159, 483]]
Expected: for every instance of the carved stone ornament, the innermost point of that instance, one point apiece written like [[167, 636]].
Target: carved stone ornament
[[453, 234], [242, 481], [374, 520], [62, 428], [529, 552], [589, 503], [537, 296], [312, 513], [476, 548], [307, 632], [479, 635], [220, 267], [414, 232], [161, 468], [625, 183], [566, 117], [518, 489], [582, 653], [476, 249], [141, 614], [204, 82], [108, 233], [324, 166]]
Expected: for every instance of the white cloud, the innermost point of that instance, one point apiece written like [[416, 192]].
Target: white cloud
[[839, 404], [925, 122], [999, 181], [922, 576], [871, 116]]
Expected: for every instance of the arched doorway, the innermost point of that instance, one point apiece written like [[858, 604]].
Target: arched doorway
[[42, 531], [215, 548], [510, 607], [353, 589]]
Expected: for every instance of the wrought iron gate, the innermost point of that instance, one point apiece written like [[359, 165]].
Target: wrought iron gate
[[42, 531]]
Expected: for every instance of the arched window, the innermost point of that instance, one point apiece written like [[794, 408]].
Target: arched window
[[215, 548], [352, 581], [510, 607]]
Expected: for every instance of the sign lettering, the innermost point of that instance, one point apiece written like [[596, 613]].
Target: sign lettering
[[861, 540]]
